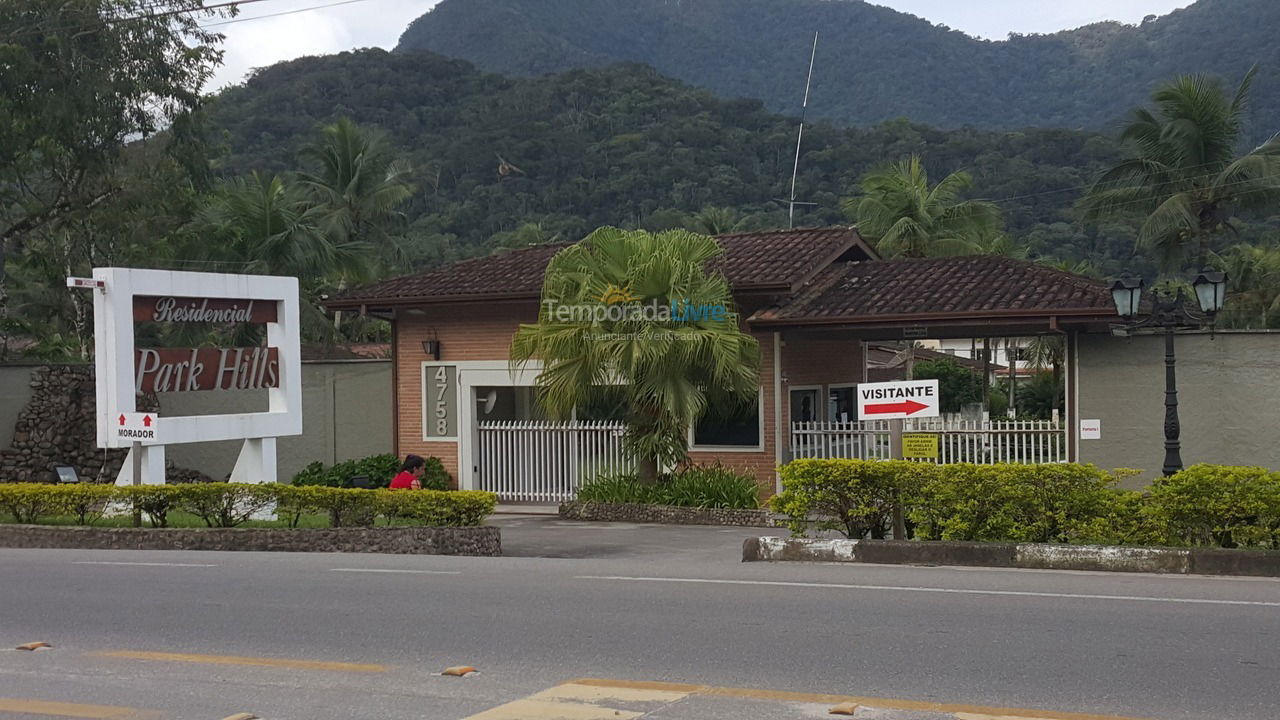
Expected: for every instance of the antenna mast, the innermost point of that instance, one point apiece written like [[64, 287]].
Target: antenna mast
[[795, 169]]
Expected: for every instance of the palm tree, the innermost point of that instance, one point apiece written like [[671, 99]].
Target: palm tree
[[273, 227], [905, 217], [1048, 352], [1183, 173], [712, 220], [664, 373], [1253, 282], [359, 184]]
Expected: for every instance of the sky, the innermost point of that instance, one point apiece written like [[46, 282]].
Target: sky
[[378, 23]]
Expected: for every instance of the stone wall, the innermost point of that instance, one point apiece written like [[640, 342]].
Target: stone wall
[[639, 513], [477, 541], [58, 426]]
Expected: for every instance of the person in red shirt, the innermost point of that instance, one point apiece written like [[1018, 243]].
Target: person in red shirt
[[410, 472]]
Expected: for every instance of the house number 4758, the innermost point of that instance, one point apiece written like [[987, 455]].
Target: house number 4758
[[442, 407]]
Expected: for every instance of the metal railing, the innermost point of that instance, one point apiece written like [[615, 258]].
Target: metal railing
[[971, 441], [540, 461]]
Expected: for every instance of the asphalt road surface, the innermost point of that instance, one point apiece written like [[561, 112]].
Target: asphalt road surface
[[651, 621]]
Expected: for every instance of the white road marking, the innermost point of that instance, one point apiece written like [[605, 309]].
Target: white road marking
[[144, 564], [954, 591], [405, 572]]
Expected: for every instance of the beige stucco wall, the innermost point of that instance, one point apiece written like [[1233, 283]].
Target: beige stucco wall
[[1228, 398], [346, 413]]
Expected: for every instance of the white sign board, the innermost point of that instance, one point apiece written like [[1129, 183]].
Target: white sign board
[[1090, 429], [136, 427], [898, 400], [119, 378]]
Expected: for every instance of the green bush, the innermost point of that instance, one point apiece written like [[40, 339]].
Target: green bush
[[380, 469], [1218, 505], [27, 502], [856, 497], [231, 504], [154, 501], [436, 507], [86, 502], [702, 486], [711, 486], [1013, 503], [225, 504]]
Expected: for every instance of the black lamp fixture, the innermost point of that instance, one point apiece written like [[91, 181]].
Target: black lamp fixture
[[1169, 311], [431, 346]]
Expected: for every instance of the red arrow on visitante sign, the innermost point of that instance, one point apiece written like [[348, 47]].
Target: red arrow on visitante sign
[[909, 407]]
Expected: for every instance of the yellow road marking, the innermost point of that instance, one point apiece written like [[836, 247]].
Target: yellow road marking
[[20, 706], [595, 693], [238, 660], [551, 710], [882, 703]]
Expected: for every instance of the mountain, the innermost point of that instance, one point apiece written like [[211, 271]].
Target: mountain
[[627, 146], [873, 63]]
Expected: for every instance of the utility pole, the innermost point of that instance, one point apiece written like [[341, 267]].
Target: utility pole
[[795, 168]]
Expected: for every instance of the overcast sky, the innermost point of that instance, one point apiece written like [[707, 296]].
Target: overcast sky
[[378, 23]]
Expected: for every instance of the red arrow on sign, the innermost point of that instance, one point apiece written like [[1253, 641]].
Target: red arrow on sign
[[906, 407], [146, 421], [122, 419]]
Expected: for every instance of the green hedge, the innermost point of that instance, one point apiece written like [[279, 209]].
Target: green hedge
[[231, 504], [1204, 505], [380, 469]]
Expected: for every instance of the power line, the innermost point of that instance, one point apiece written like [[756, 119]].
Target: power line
[[278, 14]]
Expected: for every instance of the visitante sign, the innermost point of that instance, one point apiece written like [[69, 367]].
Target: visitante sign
[[898, 400]]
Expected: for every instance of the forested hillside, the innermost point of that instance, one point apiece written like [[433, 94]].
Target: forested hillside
[[509, 161], [873, 63]]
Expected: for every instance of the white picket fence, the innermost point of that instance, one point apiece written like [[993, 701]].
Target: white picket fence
[[538, 461], [981, 442]]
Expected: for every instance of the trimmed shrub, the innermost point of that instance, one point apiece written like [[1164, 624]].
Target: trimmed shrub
[[294, 501], [437, 507], [1012, 503], [856, 497], [1218, 505], [27, 502], [434, 476], [154, 501], [226, 504], [86, 502], [348, 507]]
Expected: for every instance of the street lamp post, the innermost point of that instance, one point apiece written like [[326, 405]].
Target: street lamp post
[[1169, 311]]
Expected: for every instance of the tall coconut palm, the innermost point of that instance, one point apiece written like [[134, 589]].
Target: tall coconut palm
[[359, 184], [665, 373], [1183, 173], [905, 217]]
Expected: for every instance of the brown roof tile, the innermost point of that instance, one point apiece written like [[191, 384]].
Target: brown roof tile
[[970, 286], [779, 259]]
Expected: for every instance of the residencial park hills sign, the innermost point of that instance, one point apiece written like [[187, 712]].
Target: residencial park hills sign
[[128, 297], [200, 369]]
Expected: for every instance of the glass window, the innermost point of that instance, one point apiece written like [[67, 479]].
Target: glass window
[[733, 426], [508, 403], [804, 405], [840, 405]]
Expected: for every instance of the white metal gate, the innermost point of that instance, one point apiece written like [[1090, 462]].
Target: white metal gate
[[538, 461], [981, 442]]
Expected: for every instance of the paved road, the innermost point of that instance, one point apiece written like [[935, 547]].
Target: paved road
[[719, 632]]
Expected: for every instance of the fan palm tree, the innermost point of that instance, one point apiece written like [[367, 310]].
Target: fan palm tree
[[712, 220], [1183, 173], [665, 373], [905, 217]]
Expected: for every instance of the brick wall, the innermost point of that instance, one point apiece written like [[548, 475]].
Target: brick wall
[[466, 332]]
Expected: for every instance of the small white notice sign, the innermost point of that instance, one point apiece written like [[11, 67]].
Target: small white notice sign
[[136, 427], [1090, 429]]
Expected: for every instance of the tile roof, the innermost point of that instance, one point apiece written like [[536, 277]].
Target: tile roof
[[778, 259], [969, 286]]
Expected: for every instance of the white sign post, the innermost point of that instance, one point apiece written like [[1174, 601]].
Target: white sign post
[[896, 401], [171, 296]]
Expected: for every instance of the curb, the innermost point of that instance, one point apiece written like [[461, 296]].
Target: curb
[[1182, 561], [665, 514]]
